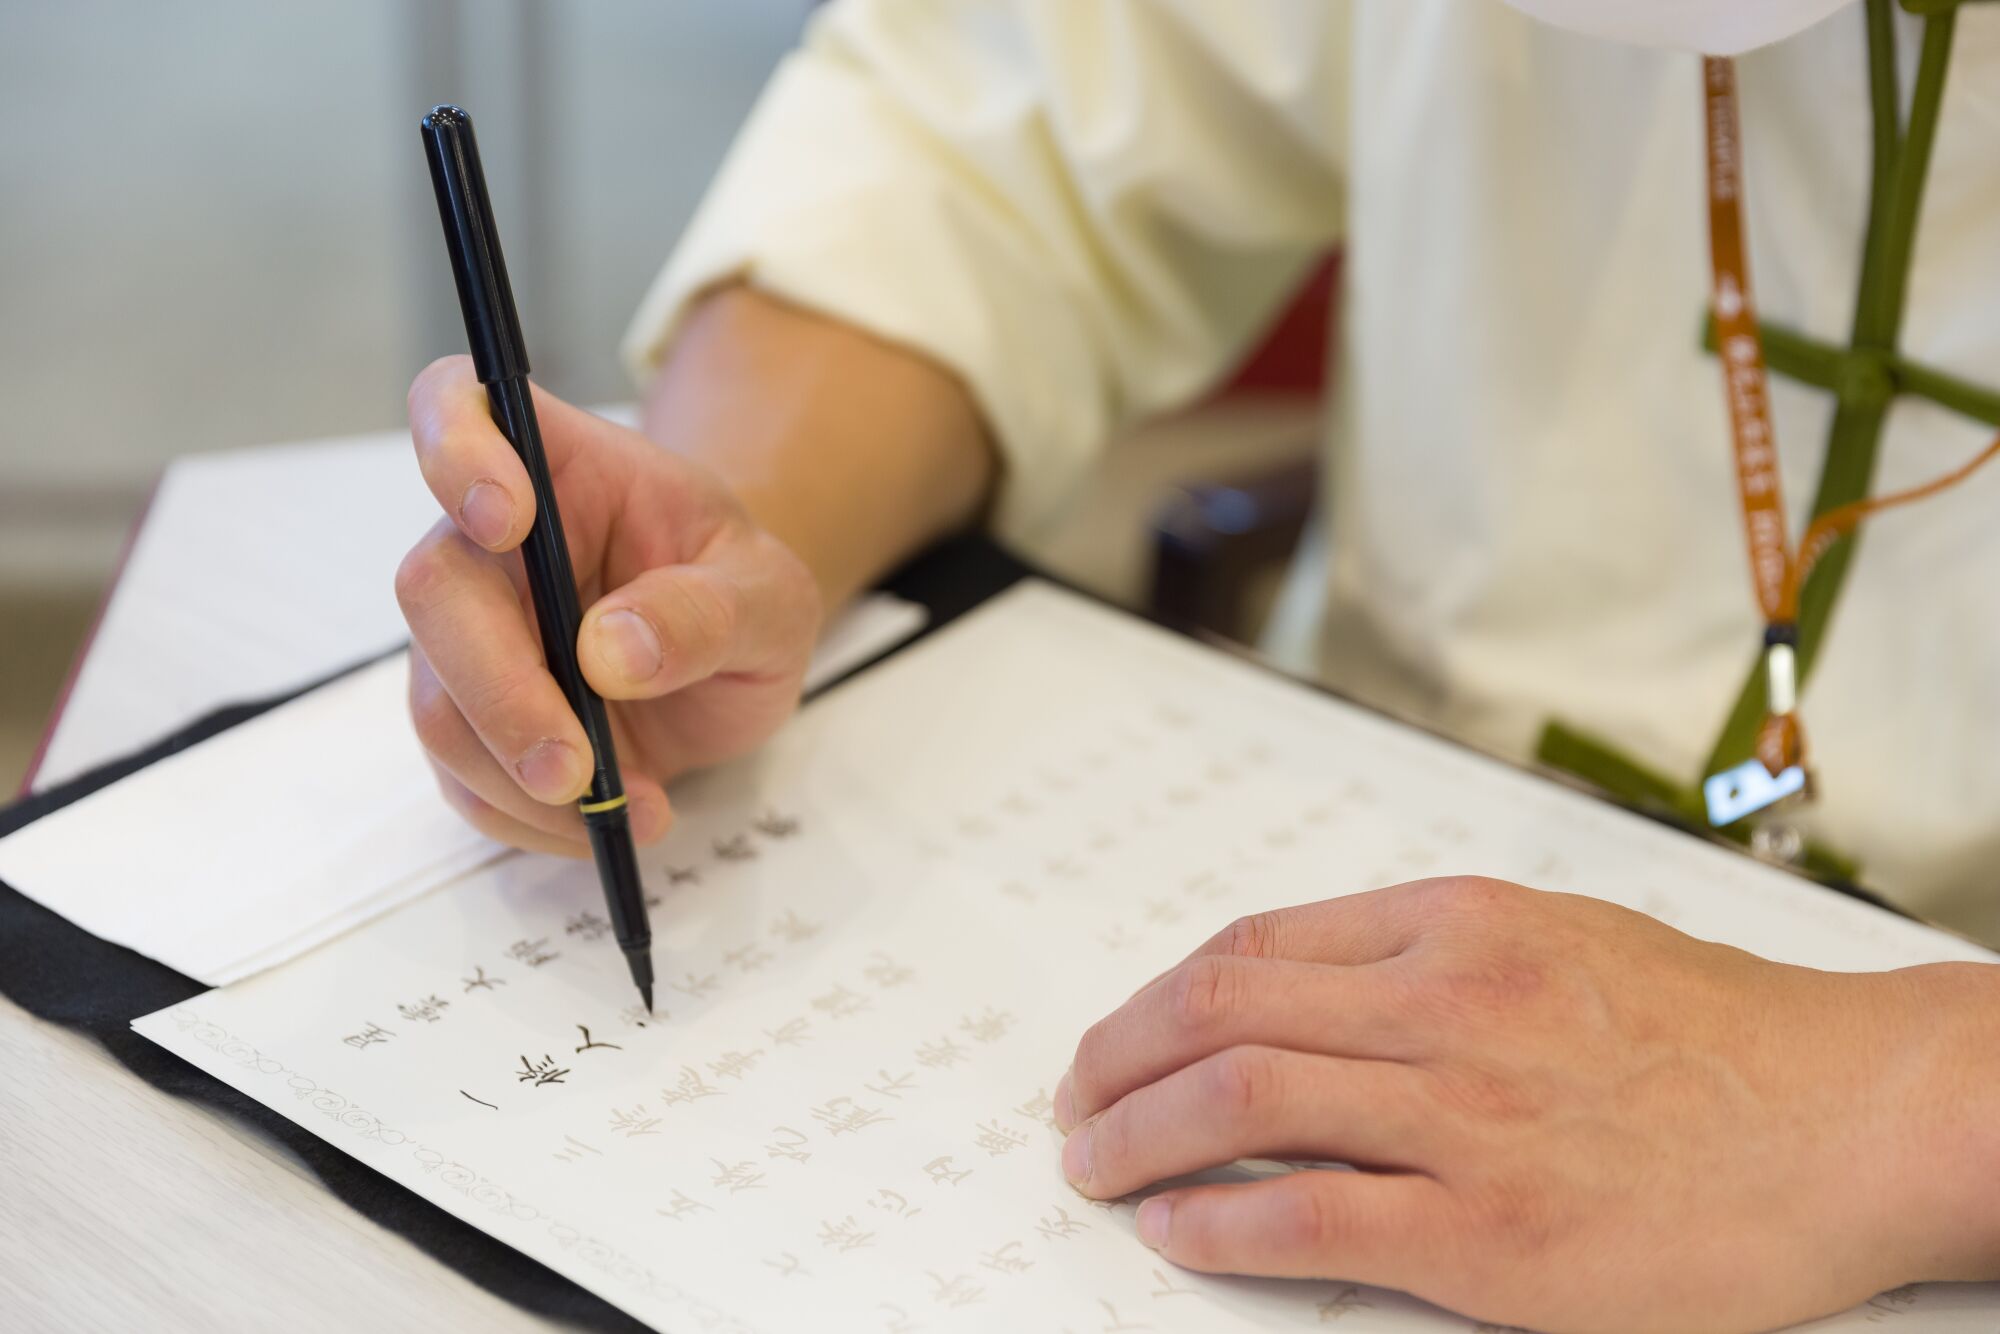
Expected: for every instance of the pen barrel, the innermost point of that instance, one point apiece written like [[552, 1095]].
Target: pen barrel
[[552, 582], [618, 868]]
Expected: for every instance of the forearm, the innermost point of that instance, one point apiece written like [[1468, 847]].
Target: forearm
[[854, 453]]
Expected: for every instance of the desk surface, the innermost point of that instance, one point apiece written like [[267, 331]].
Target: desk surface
[[125, 1207]]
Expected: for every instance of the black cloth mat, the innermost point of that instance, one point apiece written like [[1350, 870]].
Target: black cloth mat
[[60, 972]]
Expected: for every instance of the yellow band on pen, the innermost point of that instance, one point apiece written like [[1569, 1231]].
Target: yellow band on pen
[[595, 807]]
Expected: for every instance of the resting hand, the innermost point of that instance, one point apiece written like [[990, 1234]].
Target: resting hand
[[1567, 1115], [697, 623]]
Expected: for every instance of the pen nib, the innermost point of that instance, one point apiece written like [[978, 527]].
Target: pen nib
[[640, 961]]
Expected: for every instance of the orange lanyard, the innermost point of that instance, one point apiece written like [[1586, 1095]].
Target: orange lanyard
[[1777, 573]]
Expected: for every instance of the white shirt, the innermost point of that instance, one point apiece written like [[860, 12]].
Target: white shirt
[[1087, 209]]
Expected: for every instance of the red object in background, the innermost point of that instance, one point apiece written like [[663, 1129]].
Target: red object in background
[[1295, 353]]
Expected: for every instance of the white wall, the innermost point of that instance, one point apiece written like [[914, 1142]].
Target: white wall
[[216, 228]]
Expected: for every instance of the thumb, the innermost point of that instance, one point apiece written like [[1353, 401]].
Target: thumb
[[677, 625]]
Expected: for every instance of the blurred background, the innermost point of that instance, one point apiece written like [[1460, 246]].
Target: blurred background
[[216, 232]]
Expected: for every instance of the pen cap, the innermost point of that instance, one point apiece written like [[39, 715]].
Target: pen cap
[[492, 328]]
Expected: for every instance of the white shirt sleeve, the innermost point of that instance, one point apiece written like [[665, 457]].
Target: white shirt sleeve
[[1084, 209]]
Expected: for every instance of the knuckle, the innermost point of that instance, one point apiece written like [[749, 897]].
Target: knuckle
[[1201, 995], [1239, 1082], [1474, 897], [506, 698], [423, 576], [434, 717], [1253, 936], [1310, 1219], [705, 611], [1516, 1212]]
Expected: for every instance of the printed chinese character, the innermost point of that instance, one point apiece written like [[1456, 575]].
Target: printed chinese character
[[791, 1033], [997, 1139], [893, 1086], [898, 1320], [1014, 889], [958, 1290], [634, 1123], [1207, 886], [1007, 1260], [773, 825], [588, 925], [789, 1144], [940, 1055], [1162, 912], [1117, 1325], [736, 1177], [793, 929], [749, 958], [735, 848], [369, 1036], [430, 1009], [1059, 1226], [1117, 938], [1065, 868], [844, 1236], [990, 1026], [697, 987], [691, 1088], [1345, 1302], [1038, 1108], [885, 972], [840, 1003], [588, 1043], [1167, 1287], [481, 980], [889, 1202], [541, 1072], [975, 826], [1221, 773], [788, 1266], [1016, 804], [1279, 838], [533, 953], [574, 1153], [683, 875], [941, 1172], [735, 1064], [680, 1206], [843, 1116]]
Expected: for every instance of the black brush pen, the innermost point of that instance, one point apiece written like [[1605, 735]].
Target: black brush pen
[[500, 357]]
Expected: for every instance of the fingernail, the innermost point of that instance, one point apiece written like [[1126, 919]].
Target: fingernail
[[1154, 1215], [486, 512], [629, 643], [550, 771], [1076, 1156], [1065, 1104]]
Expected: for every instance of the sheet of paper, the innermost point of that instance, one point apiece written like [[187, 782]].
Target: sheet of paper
[[878, 942], [276, 835]]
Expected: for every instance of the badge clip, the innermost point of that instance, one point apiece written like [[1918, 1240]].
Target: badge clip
[[1747, 789]]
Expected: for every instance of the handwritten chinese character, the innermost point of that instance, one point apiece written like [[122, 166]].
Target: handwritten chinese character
[[940, 1055], [588, 925], [791, 1033], [893, 1086], [997, 1139], [941, 1173], [843, 1236], [844, 1116], [541, 1072], [990, 1026], [736, 1177], [588, 1043], [735, 1064], [691, 1088], [789, 1144], [533, 953], [634, 1123], [481, 1101], [481, 980], [369, 1036], [636, 1016]]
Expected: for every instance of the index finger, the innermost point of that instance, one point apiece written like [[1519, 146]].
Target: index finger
[[468, 465], [1353, 929]]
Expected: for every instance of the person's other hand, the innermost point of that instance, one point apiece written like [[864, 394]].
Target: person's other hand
[[697, 623], [1565, 1115]]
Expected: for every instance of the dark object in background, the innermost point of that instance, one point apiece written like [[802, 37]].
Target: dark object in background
[[1220, 550]]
